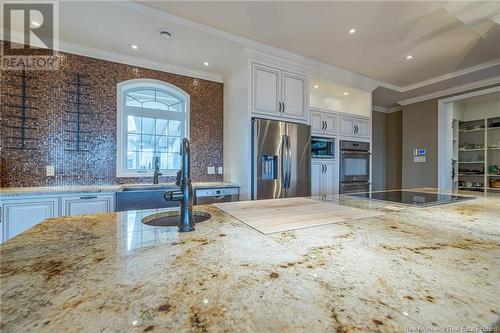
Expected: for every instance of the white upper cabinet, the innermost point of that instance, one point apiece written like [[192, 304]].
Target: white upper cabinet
[[346, 125], [355, 127], [330, 124], [266, 90], [278, 93], [323, 123], [293, 96], [317, 123], [362, 128]]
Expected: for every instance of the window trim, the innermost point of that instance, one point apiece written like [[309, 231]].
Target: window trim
[[121, 125]]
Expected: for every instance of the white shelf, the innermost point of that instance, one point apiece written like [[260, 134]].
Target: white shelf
[[493, 128], [494, 148], [478, 162], [493, 175], [475, 149], [472, 130], [470, 175]]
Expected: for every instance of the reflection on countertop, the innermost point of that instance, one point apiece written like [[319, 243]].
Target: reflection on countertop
[[432, 267]]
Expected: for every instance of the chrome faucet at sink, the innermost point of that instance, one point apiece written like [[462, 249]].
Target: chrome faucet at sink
[[185, 193]]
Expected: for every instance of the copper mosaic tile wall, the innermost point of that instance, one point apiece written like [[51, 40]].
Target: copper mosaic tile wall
[[49, 102]]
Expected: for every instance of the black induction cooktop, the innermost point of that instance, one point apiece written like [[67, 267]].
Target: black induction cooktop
[[420, 199]]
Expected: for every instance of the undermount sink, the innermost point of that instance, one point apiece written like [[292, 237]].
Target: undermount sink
[[171, 219], [149, 187]]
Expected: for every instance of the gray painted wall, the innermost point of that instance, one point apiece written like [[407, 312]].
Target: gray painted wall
[[379, 149], [394, 146], [420, 130]]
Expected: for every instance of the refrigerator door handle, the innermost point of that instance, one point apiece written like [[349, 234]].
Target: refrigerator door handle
[[283, 160], [289, 161]]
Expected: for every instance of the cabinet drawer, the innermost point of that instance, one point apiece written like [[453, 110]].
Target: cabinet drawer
[[87, 204]]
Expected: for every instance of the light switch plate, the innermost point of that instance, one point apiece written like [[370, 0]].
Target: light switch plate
[[220, 170], [211, 170], [51, 172]]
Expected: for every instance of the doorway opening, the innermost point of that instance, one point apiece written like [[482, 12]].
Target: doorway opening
[[469, 142]]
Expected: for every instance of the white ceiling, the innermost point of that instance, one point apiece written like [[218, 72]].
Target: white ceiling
[[113, 27], [443, 37]]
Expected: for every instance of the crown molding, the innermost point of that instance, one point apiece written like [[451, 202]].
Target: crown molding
[[91, 52], [450, 91], [383, 109], [452, 75]]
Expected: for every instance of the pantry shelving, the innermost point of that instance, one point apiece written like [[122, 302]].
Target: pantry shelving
[[476, 145]]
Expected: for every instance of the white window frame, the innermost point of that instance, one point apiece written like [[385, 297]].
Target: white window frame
[[121, 119]]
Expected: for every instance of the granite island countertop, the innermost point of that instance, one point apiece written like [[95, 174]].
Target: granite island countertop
[[411, 268]]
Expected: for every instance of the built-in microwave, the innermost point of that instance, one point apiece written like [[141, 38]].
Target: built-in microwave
[[322, 147]]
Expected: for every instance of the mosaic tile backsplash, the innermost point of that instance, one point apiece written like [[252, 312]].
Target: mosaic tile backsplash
[[49, 133]]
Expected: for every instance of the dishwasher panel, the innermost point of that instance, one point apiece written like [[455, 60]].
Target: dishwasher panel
[[213, 195]]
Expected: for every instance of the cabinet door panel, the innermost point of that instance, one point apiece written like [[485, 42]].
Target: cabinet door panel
[[20, 216], [266, 88], [316, 175], [294, 87], [331, 124], [87, 204], [316, 123], [363, 128], [346, 126], [328, 180]]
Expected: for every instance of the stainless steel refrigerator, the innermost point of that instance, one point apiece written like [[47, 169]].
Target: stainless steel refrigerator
[[281, 161]]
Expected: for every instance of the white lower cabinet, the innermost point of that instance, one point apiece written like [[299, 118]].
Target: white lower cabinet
[[19, 215], [87, 204], [323, 180]]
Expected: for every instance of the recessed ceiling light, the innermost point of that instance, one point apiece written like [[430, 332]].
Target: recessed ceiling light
[[346, 93], [351, 31], [316, 86], [409, 57], [35, 23], [135, 47], [164, 33], [205, 63]]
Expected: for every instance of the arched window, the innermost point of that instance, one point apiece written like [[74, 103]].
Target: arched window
[[152, 120]]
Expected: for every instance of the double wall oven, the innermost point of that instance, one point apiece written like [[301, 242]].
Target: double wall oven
[[354, 166]]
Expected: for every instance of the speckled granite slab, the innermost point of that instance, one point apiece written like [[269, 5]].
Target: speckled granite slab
[[407, 269]]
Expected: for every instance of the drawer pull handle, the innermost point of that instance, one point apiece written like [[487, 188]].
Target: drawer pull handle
[[89, 197]]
